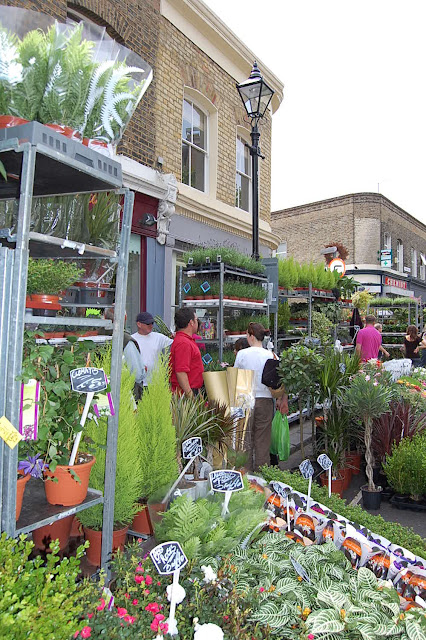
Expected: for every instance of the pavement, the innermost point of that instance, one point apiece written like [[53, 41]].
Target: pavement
[[408, 518]]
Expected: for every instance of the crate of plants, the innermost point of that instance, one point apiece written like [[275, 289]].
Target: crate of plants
[[209, 258]]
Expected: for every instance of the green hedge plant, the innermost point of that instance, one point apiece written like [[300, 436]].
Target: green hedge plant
[[405, 468], [50, 276]]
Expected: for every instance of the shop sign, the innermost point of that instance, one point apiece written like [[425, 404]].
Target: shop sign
[[386, 258], [392, 282]]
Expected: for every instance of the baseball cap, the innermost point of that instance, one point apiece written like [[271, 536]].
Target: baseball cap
[[145, 318]]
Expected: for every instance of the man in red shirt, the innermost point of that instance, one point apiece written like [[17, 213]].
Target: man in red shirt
[[186, 366]]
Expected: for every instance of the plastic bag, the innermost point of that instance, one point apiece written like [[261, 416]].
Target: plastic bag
[[280, 437]]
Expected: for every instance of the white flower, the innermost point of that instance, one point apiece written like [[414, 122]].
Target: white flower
[[208, 631], [209, 574], [31, 60], [179, 594], [367, 378]]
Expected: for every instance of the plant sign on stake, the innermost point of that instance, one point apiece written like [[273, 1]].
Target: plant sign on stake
[[169, 558], [207, 358], [226, 481], [191, 448], [307, 471], [90, 381], [325, 462]]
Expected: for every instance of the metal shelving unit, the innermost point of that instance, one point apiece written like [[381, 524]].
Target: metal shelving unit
[[414, 316], [221, 304], [41, 162]]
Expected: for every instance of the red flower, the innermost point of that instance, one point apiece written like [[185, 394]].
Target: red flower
[[148, 580], [86, 632], [135, 601], [261, 589], [153, 607], [77, 633], [90, 615], [164, 627], [226, 617], [126, 595], [129, 619], [121, 612], [139, 568], [102, 605], [145, 592], [139, 579]]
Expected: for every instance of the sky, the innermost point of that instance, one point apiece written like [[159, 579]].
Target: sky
[[353, 118]]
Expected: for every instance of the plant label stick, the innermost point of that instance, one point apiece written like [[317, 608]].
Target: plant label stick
[[90, 381], [307, 471], [325, 462], [191, 448], [226, 481], [169, 558]]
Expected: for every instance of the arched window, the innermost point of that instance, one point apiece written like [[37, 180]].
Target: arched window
[[243, 182]]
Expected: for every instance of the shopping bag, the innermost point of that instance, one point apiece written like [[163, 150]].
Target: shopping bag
[[280, 436]]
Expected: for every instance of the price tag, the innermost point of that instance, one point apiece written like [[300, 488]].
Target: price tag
[[280, 489], [306, 469], [324, 461], [192, 448], [168, 558], [187, 287], [8, 433], [207, 358], [225, 480], [28, 413], [205, 286], [88, 380]]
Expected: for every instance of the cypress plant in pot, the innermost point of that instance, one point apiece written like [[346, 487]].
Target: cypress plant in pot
[[128, 471], [366, 399], [156, 441], [47, 278]]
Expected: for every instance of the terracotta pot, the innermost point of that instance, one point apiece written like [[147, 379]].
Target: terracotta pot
[[156, 510], [11, 121], [48, 335], [43, 298], [208, 297], [66, 131], [198, 297], [319, 421], [93, 553], [58, 530], [354, 462], [336, 485], [21, 483], [346, 474], [189, 297], [76, 529], [142, 522], [67, 491]]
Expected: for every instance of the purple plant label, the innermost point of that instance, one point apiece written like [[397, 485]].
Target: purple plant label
[[28, 412]]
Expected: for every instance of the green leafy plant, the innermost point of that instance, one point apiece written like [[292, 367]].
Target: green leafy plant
[[393, 531], [51, 276], [287, 273], [405, 467], [361, 300], [39, 600], [334, 436], [156, 434], [128, 476], [321, 326], [229, 256]]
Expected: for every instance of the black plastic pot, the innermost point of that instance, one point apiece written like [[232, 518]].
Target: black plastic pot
[[371, 499]]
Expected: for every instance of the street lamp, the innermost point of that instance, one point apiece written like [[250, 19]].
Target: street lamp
[[256, 96]]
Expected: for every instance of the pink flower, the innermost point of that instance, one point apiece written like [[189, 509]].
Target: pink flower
[[261, 589], [139, 568], [129, 619], [159, 583], [121, 612], [148, 580], [164, 627], [311, 636], [375, 383], [102, 605], [86, 632], [159, 617], [139, 579], [154, 625], [367, 378], [135, 601], [77, 633], [126, 595], [90, 615], [153, 607], [145, 592]]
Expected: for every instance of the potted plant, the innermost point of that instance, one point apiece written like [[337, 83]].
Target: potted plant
[[156, 438], [59, 417], [405, 470], [333, 439], [366, 399], [47, 278], [128, 478]]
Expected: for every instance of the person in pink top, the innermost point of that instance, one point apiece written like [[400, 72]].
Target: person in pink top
[[368, 340]]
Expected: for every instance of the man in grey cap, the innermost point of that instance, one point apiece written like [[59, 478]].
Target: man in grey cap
[[151, 343]]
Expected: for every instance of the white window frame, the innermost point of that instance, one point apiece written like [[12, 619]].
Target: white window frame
[[387, 241], [244, 136], [422, 266], [188, 98], [400, 255], [413, 262], [281, 251]]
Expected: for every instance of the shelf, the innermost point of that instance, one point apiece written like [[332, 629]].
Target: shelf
[[62, 341], [44, 246], [37, 512], [232, 271], [68, 321], [227, 304]]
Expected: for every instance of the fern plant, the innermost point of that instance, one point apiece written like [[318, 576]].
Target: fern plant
[[27, 95], [10, 69], [128, 473]]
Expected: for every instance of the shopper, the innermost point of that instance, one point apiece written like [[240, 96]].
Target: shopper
[[368, 340], [241, 343], [186, 365], [151, 343], [131, 355], [412, 342], [254, 358], [382, 350]]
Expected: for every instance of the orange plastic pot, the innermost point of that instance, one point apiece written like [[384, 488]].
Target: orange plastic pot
[[20, 488], [336, 485], [67, 491], [59, 530], [93, 553], [11, 121], [354, 462], [142, 522]]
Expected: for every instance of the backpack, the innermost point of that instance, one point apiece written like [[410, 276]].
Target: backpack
[[270, 377]]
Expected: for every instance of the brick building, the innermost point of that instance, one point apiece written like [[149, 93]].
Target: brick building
[[366, 224], [183, 152]]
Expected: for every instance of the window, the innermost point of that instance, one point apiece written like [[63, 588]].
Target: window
[[422, 266], [400, 255], [413, 262], [243, 176], [194, 146], [281, 252], [387, 241]]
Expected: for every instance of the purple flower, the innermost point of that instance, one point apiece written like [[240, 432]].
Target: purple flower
[[33, 466]]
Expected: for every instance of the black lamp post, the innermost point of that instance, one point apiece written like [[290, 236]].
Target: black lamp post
[[256, 96]]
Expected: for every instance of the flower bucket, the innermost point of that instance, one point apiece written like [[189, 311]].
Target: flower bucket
[[67, 491], [93, 553], [11, 121], [20, 489], [58, 530]]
